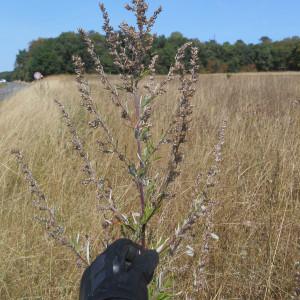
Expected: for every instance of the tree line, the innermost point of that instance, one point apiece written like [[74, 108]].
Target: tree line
[[54, 55]]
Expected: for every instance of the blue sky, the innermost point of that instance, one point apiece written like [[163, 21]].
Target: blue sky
[[22, 21]]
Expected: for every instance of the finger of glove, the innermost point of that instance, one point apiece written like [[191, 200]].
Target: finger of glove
[[119, 246], [131, 252], [103, 264], [146, 263], [122, 253]]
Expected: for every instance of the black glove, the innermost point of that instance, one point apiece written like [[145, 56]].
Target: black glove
[[122, 271]]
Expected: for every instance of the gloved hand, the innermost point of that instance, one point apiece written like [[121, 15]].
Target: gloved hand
[[122, 271]]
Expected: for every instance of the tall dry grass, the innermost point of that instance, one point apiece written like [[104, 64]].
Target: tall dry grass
[[257, 217]]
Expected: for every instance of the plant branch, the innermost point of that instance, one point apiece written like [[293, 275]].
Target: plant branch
[[53, 228]]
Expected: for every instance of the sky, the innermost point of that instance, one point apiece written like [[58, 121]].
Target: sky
[[22, 21]]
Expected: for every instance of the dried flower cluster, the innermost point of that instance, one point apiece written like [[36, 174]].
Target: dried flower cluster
[[202, 208], [201, 211], [103, 189], [109, 145], [48, 216], [208, 209], [79, 68]]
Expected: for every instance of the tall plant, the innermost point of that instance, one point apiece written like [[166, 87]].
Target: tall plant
[[131, 49]]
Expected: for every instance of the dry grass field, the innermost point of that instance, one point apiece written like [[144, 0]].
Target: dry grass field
[[257, 211]]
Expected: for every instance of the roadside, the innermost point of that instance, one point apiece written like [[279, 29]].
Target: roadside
[[8, 89]]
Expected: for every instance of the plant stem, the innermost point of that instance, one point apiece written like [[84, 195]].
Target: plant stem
[[137, 105]]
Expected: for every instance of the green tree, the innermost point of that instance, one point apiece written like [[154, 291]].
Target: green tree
[[294, 59], [54, 56]]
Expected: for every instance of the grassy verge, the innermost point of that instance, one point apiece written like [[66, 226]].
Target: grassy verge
[[258, 219]]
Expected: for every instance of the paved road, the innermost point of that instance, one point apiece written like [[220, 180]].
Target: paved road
[[11, 88]]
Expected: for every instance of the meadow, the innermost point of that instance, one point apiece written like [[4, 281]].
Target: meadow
[[257, 197]]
